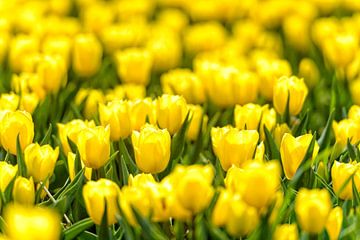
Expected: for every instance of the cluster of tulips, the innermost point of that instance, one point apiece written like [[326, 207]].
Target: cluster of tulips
[[178, 119]]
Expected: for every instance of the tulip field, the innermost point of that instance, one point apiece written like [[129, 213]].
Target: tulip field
[[179, 119]]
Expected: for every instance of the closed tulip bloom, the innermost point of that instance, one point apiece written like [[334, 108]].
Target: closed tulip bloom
[[268, 119], [152, 148], [40, 161], [354, 112], [184, 82], [32, 223], [71, 166], [21, 46], [116, 114], [134, 65], [340, 173], [292, 88], [233, 146], [71, 130], [346, 129], [96, 194], [24, 191], [197, 118], [87, 55], [171, 112], [286, 232], [312, 208], [93, 98], [29, 102], [279, 132], [142, 110], [9, 101], [293, 151], [334, 223], [7, 173], [222, 209], [59, 45], [14, 124], [265, 175], [354, 88], [309, 71], [247, 116], [94, 146]]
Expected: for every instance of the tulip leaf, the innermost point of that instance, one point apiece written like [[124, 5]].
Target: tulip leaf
[[324, 139], [128, 159], [179, 230], [285, 118], [200, 232], [355, 192], [198, 143], [8, 191], [47, 136], [219, 174], [128, 231], [20, 158], [271, 148], [104, 231], [77, 228], [72, 145], [334, 95], [215, 232], [303, 125], [150, 230], [124, 171], [325, 184], [178, 140], [351, 150], [87, 236]]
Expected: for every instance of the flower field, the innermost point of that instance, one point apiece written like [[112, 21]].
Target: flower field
[[179, 119]]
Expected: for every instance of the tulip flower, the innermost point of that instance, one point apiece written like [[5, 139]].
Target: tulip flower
[[340, 174], [142, 110], [309, 71], [334, 223], [71, 166], [197, 118], [93, 98], [247, 116], [24, 191], [286, 232], [7, 173]]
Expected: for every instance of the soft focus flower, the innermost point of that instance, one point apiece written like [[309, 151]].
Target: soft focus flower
[[341, 176], [92, 98], [309, 72], [196, 114], [286, 232], [7, 173], [142, 111], [24, 191], [334, 223]]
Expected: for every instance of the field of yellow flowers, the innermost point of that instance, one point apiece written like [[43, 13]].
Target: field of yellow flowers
[[179, 119]]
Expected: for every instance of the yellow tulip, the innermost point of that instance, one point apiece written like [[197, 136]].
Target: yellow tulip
[[134, 65], [98, 16], [294, 25], [9, 101], [171, 112], [71, 130], [87, 55], [172, 18], [312, 208], [7, 173], [140, 110], [20, 47], [152, 148], [268, 119], [116, 114], [32, 223], [59, 45], [293, 151], [309, 72], [93, 98], [346, 129], [340, 173], [40, 161], [291, 88], [71, 165], [96, 194], [247, 116], [14, 124], [233, 146], [354, 88], [94, 146], [334, 223], [197, 118], [354, 112], [280, 131], [221, 212], [29, 102], [286, 232], [24, 191]]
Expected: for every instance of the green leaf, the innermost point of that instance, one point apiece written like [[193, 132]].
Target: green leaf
[[77, 228], [215, 232], [178, 140], [20, 158], [302, 127], [200, 232], [325, 184], [219, 174], [324, 139], [47, 136], [351, 150], [87, 236], [8, 191], [3, 225], [270, 146], [356, 196], [179, 230], [128, 159], [104, 231], [124, 171], [285, 118]]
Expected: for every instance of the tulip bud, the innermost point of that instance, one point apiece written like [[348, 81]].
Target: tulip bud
[[152, 148], [312, 208], [97, 16], [134, 66], [93, 98], [184, 82], [116, 114], [40, 161], [268, 119], [346, 129], [21, 46], [7, 173], [28, 223], [71, 165], [14, 124], [171, 112], [286, 232], [24, 191], [87, 55], [233, 146], [197, 118], [293, 89], [96, 194], [334, 223], [309, 72], [248, 116], [94, 146], [354, 112], [29, 102], [71, 130], [9, 101], [267, 175], [174, 19], [59, 45], [293, 26], [140, 111], [293, 151], [340, 173], [280, 131]]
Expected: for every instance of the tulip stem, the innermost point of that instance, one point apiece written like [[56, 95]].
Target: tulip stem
[[54, 201]]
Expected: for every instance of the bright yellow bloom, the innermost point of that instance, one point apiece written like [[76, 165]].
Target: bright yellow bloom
[[293, 151], [293, 26], [172, 18], [292, 88], [334, 223], [197, 118], [340, 173], [126, 91], [87, 55], [24, 191], [312, 208], [93, 98], [40, 161], [97, 16], [4, 46], [140, 111], [29, 102], [9, 101], [71, 165], [354, 88], [309, 71], [7, 173], [171, 112], [59, 45], [134, 65], [14, 124], [279, 132], [21, 46], [32, 223], [152, 148], [346, 129], [233, 146], [116, 114], [94, 146], [96, 194], [354, 112], [286, 232]]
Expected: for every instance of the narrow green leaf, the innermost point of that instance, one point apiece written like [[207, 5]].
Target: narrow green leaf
[[124, 171], [47, 136], [302, 127], [178, 140], [215, 232], [104, 232], [8, 191], [20, 159], [128, 159], [200, 232], [356, 196], [324, 139], [87, 236], [179, 230], [77, 228], [270, 145], [351, 150]]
